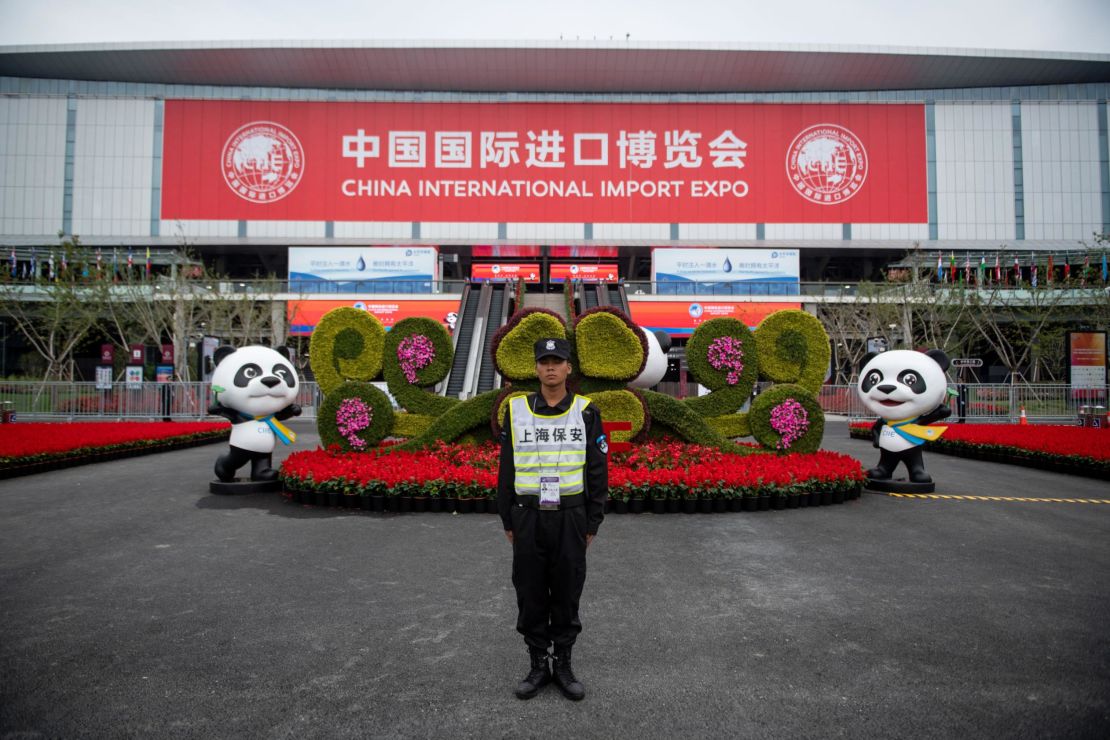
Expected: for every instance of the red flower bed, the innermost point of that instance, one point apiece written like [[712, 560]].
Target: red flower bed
[[25, 444], [660, 470], [1068, 448]]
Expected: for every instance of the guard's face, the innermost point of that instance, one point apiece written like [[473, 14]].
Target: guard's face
[[552, 371]]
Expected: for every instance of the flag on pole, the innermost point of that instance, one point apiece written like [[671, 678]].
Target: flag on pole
[[130, 261], [967, 268], [940, 268], [997, 270], [1033, 269], [952, 267], [50, 267], [115, 264], [981, 277], [1105, 272], [65, 263], [1049, 271], [148, 262], [1017, 271], [34, 264], [1067, 268], [13, 262], [98, 258]]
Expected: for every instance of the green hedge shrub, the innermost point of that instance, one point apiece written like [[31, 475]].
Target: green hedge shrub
[[411, 396], [368, 397], [725, 397], [410, 425], [502, 405], [681, 420], [626, 405], [793, 348], [609, 345], [513, 346], [731, 426], [462, 418], [762, 422], [346, 345]]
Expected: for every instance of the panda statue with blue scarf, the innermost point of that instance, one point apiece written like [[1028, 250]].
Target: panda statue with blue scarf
[[254, 388], [907, 390]]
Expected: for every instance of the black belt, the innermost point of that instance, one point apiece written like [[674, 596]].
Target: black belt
[[565, 502]]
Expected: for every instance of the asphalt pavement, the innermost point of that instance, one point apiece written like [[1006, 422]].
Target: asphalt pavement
[[136, 604]]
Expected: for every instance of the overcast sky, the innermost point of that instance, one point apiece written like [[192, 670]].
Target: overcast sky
[[1057, 25]]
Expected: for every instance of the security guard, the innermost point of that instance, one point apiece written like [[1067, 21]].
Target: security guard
[[551, 491]]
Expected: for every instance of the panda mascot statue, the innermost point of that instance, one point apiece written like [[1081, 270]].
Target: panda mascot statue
[[254, 388], [907, 390]]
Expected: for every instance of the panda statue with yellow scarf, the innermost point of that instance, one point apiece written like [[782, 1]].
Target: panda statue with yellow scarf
[[907, 390], [254, 388]]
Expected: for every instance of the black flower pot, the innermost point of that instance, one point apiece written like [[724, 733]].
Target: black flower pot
[[377, 503], [608, 509], [319, 498], [335, 499], [364, 503], [750, 503], [778, 503], [719, 506], [764, 503], [450, 504], [814, 499], [465, 506], [419, 504], [350, 500], [618, 506], [405, 504], [705, 506], [673, 505], [826, 498], [298, 497], [689, 505], [636, 506], [392, 503], [658, 506], [838, 496], [435, 504], [792, 501], [736, 503]]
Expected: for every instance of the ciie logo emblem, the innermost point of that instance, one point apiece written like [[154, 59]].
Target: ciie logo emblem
[[695, 310], [262, 162], [826, 164]]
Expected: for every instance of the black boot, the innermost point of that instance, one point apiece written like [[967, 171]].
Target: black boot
[[564, 675], [537, 678]]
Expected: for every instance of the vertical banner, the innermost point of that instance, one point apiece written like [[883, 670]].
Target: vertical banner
[[1086, 362]]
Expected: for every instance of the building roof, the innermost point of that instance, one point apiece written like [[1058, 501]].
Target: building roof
[[552, 67]]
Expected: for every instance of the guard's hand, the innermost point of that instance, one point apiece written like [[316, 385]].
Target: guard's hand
[[509, 535], [589, 539]]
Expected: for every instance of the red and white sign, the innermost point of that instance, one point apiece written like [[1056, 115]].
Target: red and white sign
[[506, 250], [680, 318], [583, 251], [544, 162], [304, 315], [505, 272], [606, 273]]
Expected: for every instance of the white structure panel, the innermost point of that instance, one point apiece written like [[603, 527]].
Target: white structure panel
[[32, 165], [373, 229], [975, 172], [1061, 170], [455, 231], [720, 232], [806, 232]]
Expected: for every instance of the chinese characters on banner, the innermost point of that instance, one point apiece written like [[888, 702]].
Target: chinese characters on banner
[[545, 162]]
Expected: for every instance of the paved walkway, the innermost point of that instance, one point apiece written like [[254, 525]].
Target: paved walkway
[[136, 604]]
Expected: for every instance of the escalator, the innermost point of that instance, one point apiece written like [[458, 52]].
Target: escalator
[[464, 332], [589, 297], [498, 312]]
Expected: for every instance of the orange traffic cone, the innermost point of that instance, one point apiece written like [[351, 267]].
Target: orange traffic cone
[[1023, 421]]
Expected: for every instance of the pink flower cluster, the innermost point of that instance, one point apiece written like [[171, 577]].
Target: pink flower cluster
[[352, 417], [791, 421], [415, 352], [727, 353]]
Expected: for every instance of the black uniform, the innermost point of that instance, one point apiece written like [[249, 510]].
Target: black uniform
[[549, 547]]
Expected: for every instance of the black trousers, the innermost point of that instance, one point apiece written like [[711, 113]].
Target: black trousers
[[549, 570]]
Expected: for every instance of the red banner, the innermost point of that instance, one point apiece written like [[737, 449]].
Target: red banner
[[583, 251], [544, 162], [304, 315], [680, 318], [505, 271], [606, 273], [506, 250]]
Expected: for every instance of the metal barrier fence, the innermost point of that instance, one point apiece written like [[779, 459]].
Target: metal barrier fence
[[54, 400]]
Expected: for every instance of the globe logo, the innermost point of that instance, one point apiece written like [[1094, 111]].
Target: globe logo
[[695, 310], [262, 162], [827, 164]]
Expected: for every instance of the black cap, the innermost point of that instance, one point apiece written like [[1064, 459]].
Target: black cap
[[552, 348]]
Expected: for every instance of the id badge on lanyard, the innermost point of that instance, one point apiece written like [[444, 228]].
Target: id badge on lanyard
[[549, 492]]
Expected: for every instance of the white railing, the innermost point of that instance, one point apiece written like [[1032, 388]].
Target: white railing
[[52, 401]]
